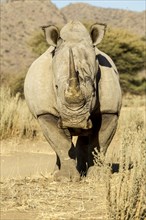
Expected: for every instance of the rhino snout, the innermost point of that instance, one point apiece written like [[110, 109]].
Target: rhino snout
[[74, 97]]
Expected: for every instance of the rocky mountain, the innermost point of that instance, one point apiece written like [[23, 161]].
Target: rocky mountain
[[130, 20], [21, 19]]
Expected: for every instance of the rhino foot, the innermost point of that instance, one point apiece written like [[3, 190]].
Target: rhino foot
[[59, 176], [67, 173], [94, 172]]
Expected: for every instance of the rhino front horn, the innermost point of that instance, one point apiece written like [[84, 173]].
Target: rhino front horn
[[73, 93]]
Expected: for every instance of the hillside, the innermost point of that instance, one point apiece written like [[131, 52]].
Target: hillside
[[19, 21], [132, 21]]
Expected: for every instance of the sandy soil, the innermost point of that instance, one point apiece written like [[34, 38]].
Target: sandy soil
[[13, 215], [45, 199], [20, 159]]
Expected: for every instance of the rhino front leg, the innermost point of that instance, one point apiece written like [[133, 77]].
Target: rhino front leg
[[105, 128], [107, 131], [62, 145]]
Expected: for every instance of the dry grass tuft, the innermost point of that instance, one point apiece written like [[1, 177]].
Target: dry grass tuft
[[16, 119], [126, 189]]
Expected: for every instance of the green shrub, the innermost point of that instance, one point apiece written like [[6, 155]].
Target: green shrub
[[133, 84], [38, 43], [126, 50], [17, 86], [15, 82]]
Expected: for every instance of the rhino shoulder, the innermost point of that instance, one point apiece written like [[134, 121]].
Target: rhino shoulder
[[38, 85], [47, 55], [109, 89]]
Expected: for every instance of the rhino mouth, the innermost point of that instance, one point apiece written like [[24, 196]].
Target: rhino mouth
[[83, 123], [74, 107]]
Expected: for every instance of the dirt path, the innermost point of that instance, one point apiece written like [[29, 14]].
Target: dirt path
[[42, 199], [15, 215], [26, 159], [20, 165]]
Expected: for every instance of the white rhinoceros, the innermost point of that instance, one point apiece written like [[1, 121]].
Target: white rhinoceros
[[73, 90]]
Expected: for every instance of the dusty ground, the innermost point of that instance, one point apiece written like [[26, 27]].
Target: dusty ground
[[29, 192], [52, 200], [25, 158], [27, 196]]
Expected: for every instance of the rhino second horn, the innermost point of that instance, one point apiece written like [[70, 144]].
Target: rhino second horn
[[73, 93]]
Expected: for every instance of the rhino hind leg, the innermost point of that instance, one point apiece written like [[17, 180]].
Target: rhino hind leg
[[62, 145]]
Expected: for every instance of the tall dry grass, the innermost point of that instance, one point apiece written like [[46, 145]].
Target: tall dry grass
[[126, 193], [16, 119]]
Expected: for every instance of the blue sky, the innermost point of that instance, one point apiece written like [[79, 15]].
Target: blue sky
[[133, 5]]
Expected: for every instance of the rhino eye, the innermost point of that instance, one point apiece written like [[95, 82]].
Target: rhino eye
[[56, 86], [87, 78], [59, 41]]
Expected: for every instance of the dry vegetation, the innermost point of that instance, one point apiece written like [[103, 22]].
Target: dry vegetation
[[117, 196], [127, 188], [16, 119]]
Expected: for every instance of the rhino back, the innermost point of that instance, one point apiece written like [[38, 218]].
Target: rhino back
[[109, 89], [39, 87]]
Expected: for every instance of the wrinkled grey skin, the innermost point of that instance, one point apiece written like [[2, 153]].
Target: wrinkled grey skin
[[73, 90]]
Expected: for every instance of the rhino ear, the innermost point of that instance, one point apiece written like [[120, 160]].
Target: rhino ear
[[97, 32], [52, 34]]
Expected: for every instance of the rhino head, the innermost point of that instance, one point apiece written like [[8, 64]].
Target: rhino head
[[75, 67]]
